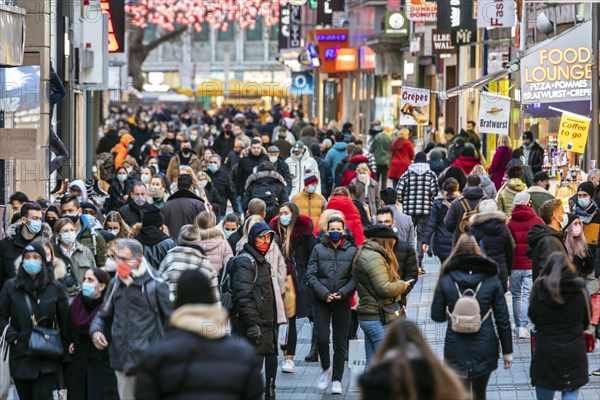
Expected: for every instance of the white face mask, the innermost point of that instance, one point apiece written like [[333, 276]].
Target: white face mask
[[273, 159], [203, 183], [364, 178]]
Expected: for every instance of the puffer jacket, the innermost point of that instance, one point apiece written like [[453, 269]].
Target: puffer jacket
[[253, 295], [310, 204], [222, 182], [116, 191], [277, 185], [560, 361], [121, 150], [246, 167], [351, 214], [335, 155], [403, 152], [538, 196], [436, 235], [506, 195], [466, 163], [473, 354], [219, 366], [495, 241], [373, 284], [298, 168], [523, 218], [488, 187], [330, 269], [216, 247], [417, 189], [128, 311], [543, 240]]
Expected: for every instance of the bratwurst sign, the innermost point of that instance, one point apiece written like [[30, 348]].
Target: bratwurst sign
[[560, 69]]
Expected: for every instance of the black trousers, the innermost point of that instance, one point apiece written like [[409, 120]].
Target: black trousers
[[338, 314], [477, 386], [36, 389], [382, 175], [420, 223]]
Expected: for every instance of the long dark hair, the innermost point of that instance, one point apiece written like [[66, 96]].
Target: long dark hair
[[285, 232], [102, 276], [552, 274]]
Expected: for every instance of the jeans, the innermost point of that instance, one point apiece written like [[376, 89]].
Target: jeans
[[520, 287], [126, 385], [477, 386], [382, 175], [338, 314], [420, 223], [36, 389], [547, 394], [374, 334]]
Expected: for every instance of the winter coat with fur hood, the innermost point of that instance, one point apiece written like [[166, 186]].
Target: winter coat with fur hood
[[270, 180]]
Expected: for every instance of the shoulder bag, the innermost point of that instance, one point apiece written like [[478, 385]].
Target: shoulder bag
[[43, 342]]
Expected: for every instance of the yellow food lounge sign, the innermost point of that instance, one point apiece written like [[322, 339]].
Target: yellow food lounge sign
[[559, 69]]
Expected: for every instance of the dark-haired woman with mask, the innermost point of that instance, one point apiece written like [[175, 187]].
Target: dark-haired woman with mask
[[330, 278], [52, 215], [119, 191], [88, 374], [34, 376]]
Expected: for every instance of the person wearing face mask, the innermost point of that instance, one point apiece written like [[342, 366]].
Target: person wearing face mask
[[222, 182], [367, 189], [208, 193], [185, 156], [329, 276], [146, 175], [52, 215], [133, 211], [253, 315], [299, 162], [33, 291], [310, 202], [78, 188], [224, 143], [158, 192], [118, 192], [122, 149], [88, 374], [587, 211], [114, 224], [77, 257], [543, 240], [154, 236], [539, 191], [133, 314], [230, 227], [19, 235], [281, 167]]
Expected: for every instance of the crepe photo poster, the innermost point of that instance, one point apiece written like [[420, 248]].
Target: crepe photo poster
[[414, 106]]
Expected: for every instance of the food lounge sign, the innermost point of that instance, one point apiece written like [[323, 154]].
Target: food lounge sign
[[560, 70]]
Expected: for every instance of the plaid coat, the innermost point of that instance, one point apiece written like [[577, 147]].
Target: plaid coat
[[182, 258], [417, 189]]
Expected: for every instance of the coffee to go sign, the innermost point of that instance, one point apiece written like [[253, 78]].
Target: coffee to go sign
[[559, 70]]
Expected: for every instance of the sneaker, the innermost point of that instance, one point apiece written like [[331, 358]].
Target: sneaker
[[596, 372], [523, 333], [324, 379], [287, 366], [336, 387]]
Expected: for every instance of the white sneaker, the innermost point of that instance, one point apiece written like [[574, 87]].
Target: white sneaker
[[324, 379], [287, 366], [336, 387], [523, 333]]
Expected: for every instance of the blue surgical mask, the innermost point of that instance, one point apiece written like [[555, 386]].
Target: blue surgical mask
[[68, 238], [32, 267], [88, 289], [213, 168], [122, 177], [193, 138], [311, 189], [585, 203], [34, 226], [285, 220], [130, 147], [228, 234], [335, 236]]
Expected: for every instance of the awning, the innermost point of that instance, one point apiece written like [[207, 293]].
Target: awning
[[216, 88], [477, 83]]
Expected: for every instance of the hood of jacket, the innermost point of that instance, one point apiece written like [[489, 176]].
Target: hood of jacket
[[58, 265], [246, 153], [340, 147], [126, 139], [469, 269], [419, 168], [270, 175], [82, 188], [522, 213], [482, 218], [345, 206], [14, 231], [302, 227], [373, 246], [537, 232], [515, 185], [485, 180], [206, 320], [86, 221], [359, 159], [258, 229], [537, 189], [473, 192]]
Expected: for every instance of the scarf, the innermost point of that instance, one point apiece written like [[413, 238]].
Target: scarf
[[83, 311], [150, 235]]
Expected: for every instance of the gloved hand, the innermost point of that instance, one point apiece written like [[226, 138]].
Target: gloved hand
[[253, 333]]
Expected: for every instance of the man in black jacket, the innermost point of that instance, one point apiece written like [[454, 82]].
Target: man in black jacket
[[533, 152], [281, 166], [267, 185], [546, 239], [247, 164], [133, 211], [222, 182]]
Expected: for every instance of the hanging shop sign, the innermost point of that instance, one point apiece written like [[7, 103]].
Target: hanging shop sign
[[454, 14], [464, 36], [496, 13], [573, 132], [559, 69], [494, 113], [330, 42], [367, 58], [414, 106], [290, 28], [421, 11], [329, 11], [441, 42], [302, 83], [346, 60], [396, 23]]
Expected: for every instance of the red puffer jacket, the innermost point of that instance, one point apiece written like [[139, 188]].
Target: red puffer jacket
[[519, 224], [351, 215]]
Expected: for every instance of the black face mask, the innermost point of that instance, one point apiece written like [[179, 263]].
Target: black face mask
[[186, 151], [51, 222]]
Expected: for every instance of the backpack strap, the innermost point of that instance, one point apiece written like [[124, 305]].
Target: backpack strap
[[253, 261], [465, 204]]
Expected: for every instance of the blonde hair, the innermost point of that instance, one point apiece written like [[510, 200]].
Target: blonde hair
[[479, 170], [187, 170], [504, 140], [404, 133], [363, 168], [249, 224]]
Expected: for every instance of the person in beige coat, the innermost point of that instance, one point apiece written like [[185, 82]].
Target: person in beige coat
[[212, 240]]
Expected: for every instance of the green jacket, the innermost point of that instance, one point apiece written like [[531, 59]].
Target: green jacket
[[93, 241], [538, 196], [507, 194], [380, 148], [373, 284]]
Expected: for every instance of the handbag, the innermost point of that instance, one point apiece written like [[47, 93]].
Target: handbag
[[390, 312], [589, 336], [4, 364], [289, 297], [43, 342]]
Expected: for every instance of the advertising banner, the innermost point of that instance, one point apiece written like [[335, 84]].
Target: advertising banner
[[290, 28], [414, 106], [559, 69], [573, 132], [455, 14], [494, 114], [496, 13], [421, 11], [464, 36], [441, 42], [302, 83]]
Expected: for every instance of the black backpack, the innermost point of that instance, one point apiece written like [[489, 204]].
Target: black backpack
[[225, 278], [265, 191]]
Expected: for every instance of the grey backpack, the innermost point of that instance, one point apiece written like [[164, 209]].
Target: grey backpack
[[466, 315]]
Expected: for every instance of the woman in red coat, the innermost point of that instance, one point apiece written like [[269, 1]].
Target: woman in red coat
[[341, 201], [467, 160], [403, 153], [501, 158]]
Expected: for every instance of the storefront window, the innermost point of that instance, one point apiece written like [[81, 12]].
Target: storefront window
[[254, 32], [203, 35], [226, 36]]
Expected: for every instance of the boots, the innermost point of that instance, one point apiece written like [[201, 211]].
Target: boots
[[270, 389], [313, 355]]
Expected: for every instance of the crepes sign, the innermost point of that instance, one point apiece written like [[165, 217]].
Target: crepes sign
[[494, 113], [414, 106], [560, 70]]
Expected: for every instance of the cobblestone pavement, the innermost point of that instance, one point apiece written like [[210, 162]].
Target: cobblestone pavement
[[510, 384]]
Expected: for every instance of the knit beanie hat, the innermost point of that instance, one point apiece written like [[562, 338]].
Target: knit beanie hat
[[309, 177], [528, 135], [152, 217], [193, 287], [487, 206], [380, 231], [587, 187], [468, 151], [521, 199], [420, 157]]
